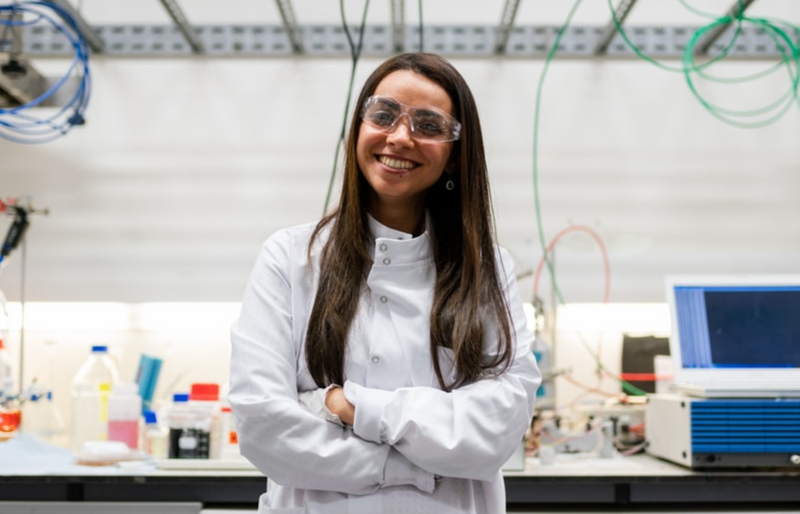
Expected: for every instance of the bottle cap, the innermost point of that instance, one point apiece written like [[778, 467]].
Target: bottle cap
[[205, 392], [99, 349], [150, 418], [180, 397]]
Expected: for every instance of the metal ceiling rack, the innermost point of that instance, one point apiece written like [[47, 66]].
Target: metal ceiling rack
[[398, 25], [506, 24], [94, 40], [180, 20], [714, 34], [507, 39], [623, 9], [290, 25]]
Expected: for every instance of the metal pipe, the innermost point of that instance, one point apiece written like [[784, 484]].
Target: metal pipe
[[95, 42], [180, 20], [290, 25], [711, 36], [506, 24], [622, 11], [398, 25]]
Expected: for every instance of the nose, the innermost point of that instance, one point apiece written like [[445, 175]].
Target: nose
[[401, 132]]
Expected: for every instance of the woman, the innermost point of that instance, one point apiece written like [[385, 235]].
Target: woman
[[381, 360]]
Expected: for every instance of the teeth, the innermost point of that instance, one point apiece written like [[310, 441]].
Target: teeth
[[396, 163]]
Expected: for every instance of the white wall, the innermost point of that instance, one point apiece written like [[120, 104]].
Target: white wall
[[185, 166]]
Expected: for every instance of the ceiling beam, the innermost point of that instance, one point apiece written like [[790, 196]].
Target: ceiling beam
[[623, 9], [269, 40], [92, 38], [398, 25], [712, 35], [180, 20], [290, 25], [506, 24]]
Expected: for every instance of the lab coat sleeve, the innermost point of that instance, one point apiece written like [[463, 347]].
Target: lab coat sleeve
[[290, 445], [469, 432]]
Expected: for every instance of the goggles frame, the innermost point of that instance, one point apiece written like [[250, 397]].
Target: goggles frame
[[451, 128]]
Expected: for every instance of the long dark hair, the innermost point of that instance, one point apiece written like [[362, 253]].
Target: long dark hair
[[468, 297]]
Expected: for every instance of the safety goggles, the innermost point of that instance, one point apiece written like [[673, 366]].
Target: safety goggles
[[426, 123]]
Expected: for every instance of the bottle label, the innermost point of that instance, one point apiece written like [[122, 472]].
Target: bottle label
[[105, 390], [189, 443]]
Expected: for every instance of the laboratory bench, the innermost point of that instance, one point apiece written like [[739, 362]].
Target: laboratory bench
[[638, 482], [523, 490]]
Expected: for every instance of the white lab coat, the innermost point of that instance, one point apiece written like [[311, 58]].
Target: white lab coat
[[413, 447]]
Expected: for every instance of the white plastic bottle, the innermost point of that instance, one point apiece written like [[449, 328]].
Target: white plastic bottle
[[229, 440], [124, 410], [90, 391]]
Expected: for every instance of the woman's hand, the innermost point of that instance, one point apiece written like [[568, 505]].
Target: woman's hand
[[338, 404]]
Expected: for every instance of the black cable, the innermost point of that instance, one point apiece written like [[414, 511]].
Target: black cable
[[16, 232], [421, 41], [355, 53]]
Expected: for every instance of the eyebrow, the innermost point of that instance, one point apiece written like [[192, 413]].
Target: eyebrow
[[428, 112], [389, 102]]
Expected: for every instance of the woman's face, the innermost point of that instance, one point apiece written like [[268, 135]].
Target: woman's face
[[399, 167]]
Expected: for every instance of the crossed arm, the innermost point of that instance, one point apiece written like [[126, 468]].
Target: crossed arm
[[401, 437]]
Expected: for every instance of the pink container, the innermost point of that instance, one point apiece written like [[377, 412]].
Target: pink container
[[124, 431], [124, 411]]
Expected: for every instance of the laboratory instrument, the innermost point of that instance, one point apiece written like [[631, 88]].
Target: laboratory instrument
[[724, 433]]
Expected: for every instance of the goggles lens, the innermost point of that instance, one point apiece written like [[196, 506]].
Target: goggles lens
[[426, 123]]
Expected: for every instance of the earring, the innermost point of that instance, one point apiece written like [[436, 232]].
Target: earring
[[450, 185]]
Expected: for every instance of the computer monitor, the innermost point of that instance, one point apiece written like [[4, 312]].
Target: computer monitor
[[735, 335]]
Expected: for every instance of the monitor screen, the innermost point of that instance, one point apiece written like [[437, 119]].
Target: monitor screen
[[738, 326]]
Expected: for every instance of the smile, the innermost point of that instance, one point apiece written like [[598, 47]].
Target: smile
[[397, 164]]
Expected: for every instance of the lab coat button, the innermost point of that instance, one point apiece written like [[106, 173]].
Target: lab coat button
[[387, 261], [383, 247], [376, 360], [384, 299]]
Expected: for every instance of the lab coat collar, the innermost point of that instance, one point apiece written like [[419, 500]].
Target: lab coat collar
[[404, 247], [379, 230]]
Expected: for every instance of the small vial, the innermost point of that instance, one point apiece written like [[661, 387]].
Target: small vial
[[156, 437]]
